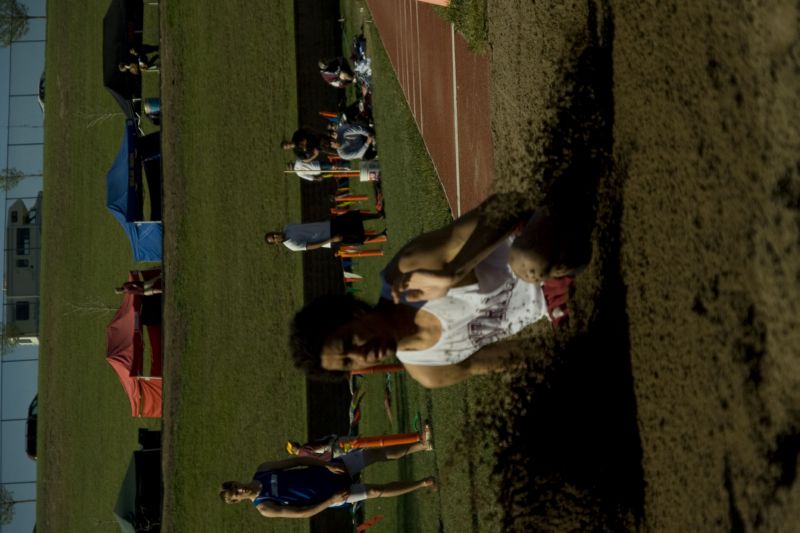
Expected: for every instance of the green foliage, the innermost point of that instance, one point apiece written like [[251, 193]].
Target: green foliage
[[6, 506], [9, 337], [469, 18], [10, 177], [13, 21]]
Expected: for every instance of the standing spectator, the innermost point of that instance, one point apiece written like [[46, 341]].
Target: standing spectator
[[301, 487], [146, 56], [345, 229]]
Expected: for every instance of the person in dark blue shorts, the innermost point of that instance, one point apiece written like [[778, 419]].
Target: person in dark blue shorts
[[302, 487]]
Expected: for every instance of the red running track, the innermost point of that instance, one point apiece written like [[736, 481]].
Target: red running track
[[453, 118]]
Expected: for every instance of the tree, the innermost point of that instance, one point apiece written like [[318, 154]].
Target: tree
[[13, 21], [10, 177], [9, 337], [6, 506]]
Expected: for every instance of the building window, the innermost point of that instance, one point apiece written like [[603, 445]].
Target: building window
[[22, 263], [22, 311], [14, 217], [23, 241]]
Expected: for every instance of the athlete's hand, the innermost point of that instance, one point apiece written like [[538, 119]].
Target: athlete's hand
[[340, 497], [421, 285], [337, 468]]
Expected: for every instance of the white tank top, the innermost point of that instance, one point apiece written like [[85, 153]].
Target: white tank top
[[476, 315]]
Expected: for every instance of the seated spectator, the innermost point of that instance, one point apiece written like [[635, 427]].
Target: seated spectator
[[130, 68], [142, 288], [355, 141], [336, 72]]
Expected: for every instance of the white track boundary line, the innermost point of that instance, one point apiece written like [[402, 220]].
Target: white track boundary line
[[418, 88], [455, 120], [405, 23]]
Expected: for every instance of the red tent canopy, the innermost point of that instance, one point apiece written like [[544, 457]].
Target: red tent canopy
[[125, 355]]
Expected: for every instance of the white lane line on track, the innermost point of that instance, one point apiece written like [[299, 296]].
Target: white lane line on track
[[406, 23], [409, 29], [395, 61], [455, 120], [420, 118]]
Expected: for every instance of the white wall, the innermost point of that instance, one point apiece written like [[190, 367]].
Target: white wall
[[21, 123]]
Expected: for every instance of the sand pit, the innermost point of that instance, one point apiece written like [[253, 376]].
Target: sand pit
[[672, 401]]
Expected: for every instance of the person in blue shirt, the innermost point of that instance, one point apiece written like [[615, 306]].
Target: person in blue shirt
[[301, 487]]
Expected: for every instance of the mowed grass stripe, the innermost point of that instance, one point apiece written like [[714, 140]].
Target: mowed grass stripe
[[232, 395]]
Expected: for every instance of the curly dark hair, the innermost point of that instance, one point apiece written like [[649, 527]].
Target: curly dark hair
[[227, 490], [316, 322]]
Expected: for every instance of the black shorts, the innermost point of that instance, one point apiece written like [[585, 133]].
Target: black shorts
[[350, 226]]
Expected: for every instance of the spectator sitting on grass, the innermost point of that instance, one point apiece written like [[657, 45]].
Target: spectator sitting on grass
[[306, 145], [146, 62], [355, 141], [336, 72], [450, 298], [142, 288], [301, 487]]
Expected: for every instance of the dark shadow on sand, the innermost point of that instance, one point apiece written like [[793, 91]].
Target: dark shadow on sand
[[570, 452]]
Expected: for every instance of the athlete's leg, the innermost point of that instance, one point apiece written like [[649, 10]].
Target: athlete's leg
[[398, 488]]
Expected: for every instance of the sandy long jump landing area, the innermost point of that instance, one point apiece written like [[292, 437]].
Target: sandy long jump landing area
[[428, 55]]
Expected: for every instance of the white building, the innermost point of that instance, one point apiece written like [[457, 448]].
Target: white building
[[21, 147]]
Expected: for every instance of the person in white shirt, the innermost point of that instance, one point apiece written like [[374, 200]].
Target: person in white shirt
[[345, 229]]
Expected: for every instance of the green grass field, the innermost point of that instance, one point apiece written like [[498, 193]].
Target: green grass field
[[231, 396]]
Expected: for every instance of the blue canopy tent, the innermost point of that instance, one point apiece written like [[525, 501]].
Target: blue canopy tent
[[124, 199]]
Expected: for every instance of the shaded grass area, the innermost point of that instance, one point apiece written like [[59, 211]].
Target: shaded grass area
[[85, 429]]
